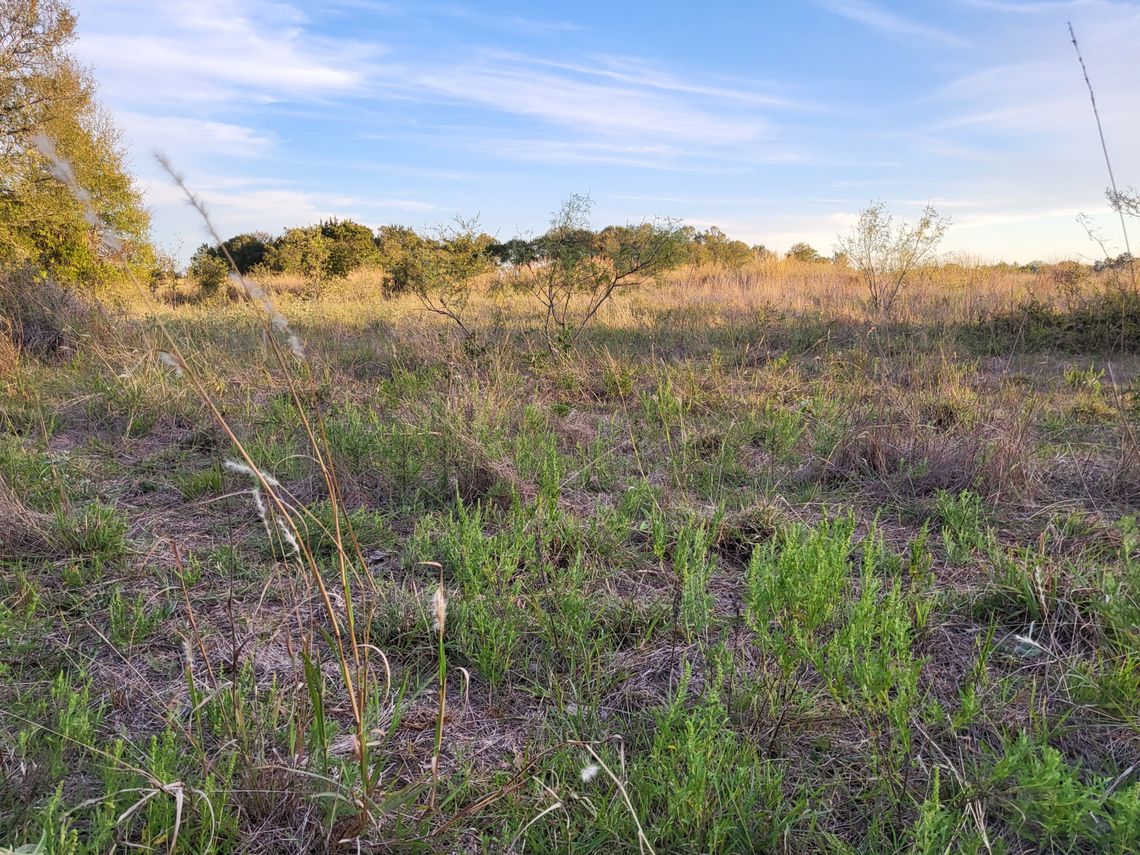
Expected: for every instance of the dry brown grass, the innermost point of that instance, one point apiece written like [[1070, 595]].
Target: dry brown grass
[[948, 294], [24, 533]]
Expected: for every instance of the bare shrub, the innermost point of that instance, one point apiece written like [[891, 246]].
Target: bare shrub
[[445, 276], [887, 255]]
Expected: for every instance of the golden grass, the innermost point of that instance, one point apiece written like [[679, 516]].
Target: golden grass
[[952, 293]]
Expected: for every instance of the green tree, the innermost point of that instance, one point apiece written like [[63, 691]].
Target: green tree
[[515, 252], [248, 250], [804, 252], [403, 253], [712, 246], [350, 247], [209, 269], [302, 251], [48, 110]]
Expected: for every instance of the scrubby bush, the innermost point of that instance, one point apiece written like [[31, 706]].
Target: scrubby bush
[[248, 250], [804, 252], [401, 253], [350, 247], [41, 316], [713, 246], [887, 255], [209, 270], [445, 270], [1108, 321], [577, 272], [301, 251]]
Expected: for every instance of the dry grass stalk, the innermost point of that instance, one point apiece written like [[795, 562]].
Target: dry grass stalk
[[24, 533]]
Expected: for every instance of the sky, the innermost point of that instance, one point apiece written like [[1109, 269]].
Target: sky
[[775, 121]]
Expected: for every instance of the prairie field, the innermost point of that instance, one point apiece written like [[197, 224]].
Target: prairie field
[[746, 569]]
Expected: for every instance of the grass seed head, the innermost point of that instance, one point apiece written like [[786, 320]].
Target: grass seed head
[[439, 609]]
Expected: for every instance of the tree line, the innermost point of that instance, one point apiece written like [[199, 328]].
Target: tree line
[[406, 257]]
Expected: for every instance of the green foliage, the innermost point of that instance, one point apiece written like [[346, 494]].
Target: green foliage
[[701, 787], [804, 252], [515, 252], [405, 465], [210, 265], [795, 586], [302, 251], [964, 531], [48, 109], [350, 247], [402, 254], [868, 663], [576, 272], [133, 620], [779, 429], [1103, 322], [489, 571], [209, 270], [446, 274], [1050, 805], [95, 531], [695, 561], [712, 246], [329, 250], [319, 529], [1122, 588]]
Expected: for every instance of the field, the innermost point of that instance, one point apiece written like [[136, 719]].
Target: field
[[746, 569]]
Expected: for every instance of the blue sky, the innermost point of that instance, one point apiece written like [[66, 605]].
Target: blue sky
[[777, 121]]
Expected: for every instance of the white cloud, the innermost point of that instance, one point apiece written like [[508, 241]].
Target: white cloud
[[1038, 89], [182, 51], [885, 21], [582, 103], [176, 133]]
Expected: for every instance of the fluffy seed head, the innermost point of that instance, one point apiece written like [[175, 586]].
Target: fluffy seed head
[[242, 469], [287, 534], [588, 772], [170, 362], [439, 609]]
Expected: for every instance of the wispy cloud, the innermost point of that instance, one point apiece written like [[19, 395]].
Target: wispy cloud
[[1031, 8], [640, 73], [890, 23], [583, 101], [207, 51], [168, 133]]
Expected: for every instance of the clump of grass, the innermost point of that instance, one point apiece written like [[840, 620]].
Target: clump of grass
[[917, 460], [964, 530], [24, 533], [95, 531]]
